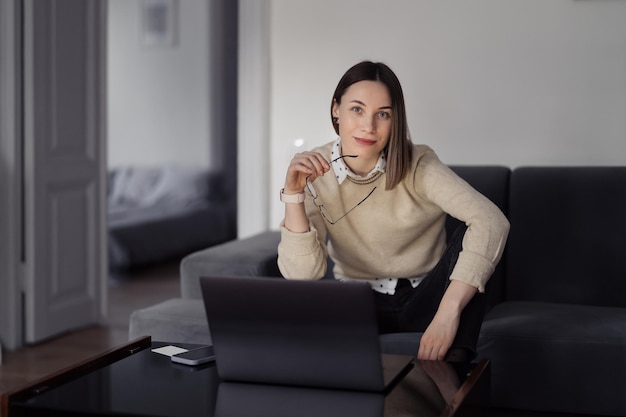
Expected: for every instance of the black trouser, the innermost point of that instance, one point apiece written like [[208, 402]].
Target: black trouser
[[412, 309]]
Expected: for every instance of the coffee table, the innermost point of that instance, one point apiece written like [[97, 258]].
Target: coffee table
[[132, 380]]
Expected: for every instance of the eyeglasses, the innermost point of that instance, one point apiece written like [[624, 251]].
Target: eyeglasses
[[321, 208]]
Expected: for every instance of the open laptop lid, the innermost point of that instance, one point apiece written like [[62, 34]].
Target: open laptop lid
[[298, 333]]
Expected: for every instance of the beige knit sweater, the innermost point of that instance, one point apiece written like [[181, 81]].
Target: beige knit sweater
[[397, 233]]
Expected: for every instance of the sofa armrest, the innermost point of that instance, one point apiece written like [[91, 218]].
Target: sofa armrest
[[253, 256]]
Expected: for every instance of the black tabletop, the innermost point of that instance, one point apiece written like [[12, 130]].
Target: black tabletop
[[145, 383]]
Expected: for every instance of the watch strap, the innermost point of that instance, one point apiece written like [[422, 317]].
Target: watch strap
[[291, 198]]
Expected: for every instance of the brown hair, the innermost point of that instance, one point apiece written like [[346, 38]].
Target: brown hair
[[399, 148]]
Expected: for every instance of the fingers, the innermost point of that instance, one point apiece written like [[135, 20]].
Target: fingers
[[436, 341], [432, 352], [312, 163], [303, 165], [438, 337]]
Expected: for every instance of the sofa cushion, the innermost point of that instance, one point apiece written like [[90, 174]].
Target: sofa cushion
[[566, 242], [556, 357], [400, 343], [254, 256]]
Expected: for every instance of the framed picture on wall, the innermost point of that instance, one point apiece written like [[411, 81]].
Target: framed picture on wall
[[159, 22]]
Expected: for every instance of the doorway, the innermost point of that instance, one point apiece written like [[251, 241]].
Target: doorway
[[172, 77], [68, 16]]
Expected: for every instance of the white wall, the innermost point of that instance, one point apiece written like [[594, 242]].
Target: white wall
[[509, 82], [158, 96], [253, 155]]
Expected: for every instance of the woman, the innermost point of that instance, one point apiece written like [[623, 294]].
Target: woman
[[376, 204]]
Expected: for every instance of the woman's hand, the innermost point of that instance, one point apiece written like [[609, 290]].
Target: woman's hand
[[439, 336], [303, 165], [441, 331]]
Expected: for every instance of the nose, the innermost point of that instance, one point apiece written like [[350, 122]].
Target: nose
[[368, 124]]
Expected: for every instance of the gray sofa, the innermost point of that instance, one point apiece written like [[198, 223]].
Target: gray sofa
[[555, 329]]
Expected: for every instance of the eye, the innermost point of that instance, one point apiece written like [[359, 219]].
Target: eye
[[357, 109], [383, 115]]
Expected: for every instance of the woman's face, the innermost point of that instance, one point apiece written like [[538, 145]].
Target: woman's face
[[364, 118]]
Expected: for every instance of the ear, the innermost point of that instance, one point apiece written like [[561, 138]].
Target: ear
[[335, 109]]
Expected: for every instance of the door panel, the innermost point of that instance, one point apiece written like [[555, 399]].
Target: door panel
[[65, 262]]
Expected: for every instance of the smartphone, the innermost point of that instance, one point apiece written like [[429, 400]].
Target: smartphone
[[195, 356]]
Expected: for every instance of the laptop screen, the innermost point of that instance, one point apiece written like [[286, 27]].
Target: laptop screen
[[299, 333]]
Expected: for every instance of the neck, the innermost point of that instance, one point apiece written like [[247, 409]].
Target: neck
[[360, 166]]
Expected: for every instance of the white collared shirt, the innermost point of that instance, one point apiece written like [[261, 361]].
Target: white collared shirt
[[341, 169], [386, 285]]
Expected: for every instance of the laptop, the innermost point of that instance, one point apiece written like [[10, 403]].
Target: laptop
[[320, 334]]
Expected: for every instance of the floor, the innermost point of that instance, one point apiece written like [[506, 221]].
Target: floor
[[138, 289]]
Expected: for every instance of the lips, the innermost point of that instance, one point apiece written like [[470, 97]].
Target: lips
[[364, 142]]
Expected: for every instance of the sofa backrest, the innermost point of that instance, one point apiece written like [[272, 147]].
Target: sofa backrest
[[566, 242], [493, 183], [253, 256]]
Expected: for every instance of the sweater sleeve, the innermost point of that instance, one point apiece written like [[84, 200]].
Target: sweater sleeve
[[305, 255], [487, 227], [300, 255]]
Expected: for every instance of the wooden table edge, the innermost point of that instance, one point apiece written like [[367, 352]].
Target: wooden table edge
[[71, 372]]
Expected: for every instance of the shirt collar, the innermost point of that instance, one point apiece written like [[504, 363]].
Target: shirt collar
[[341, 169]]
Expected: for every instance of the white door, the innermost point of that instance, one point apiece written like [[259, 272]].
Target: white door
[[64, 165]]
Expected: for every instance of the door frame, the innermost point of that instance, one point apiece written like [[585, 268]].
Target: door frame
[[11, 136]]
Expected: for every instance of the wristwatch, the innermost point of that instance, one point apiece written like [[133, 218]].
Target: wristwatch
[[291, 198]]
